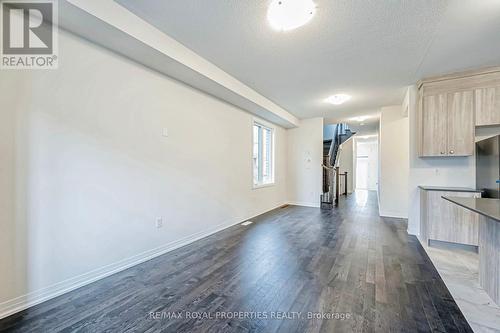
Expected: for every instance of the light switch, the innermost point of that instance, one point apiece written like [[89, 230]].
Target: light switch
[[164, 132]]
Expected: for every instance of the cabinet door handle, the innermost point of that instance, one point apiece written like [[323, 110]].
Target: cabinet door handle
[[442, 153], [452, 152]]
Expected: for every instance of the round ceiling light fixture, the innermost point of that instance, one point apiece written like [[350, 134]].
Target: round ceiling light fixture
[[360, 119], [338, 99], [287, 15]]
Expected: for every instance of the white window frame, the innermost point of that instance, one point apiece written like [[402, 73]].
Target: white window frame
[[272, 128]]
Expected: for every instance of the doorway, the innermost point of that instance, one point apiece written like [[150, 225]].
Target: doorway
[[366, 164]]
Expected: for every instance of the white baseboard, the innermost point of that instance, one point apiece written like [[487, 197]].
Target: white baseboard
[[413, 232], [392, 214], [23, 302], [305, 204]]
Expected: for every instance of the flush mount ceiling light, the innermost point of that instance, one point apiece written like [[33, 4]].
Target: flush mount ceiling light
[[287, 15], [360, 119], [338, 99]]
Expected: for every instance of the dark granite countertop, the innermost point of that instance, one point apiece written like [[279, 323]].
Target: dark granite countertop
[[448, 189], [484, 206]]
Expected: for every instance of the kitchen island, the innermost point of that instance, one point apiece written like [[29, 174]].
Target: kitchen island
[[489, 241]]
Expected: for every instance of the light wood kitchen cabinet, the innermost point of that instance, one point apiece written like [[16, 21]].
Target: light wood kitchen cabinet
[[451, 106], [447, 124], [460, 112], [487, 106], [434, 118], [442, 220]]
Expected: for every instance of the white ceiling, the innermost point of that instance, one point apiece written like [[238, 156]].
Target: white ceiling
[[369, 49]]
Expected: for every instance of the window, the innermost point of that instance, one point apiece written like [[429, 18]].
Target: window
[[263, 155]]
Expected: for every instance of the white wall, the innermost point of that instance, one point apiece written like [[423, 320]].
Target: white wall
[[85, 170], [305, 156], [8, 260], [394, 162], [346, 164]]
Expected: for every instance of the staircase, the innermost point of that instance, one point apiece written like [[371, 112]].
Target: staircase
[[331, 154]]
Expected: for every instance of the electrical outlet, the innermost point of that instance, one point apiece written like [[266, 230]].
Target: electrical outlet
[[159, 222]]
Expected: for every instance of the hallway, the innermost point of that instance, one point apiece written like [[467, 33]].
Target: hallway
[[347, 267]]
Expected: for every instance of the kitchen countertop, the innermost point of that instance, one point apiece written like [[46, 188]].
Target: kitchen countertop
[[484, 206], [449, 189]]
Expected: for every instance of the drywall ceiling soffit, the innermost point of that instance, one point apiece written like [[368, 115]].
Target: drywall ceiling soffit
[[106, 23]]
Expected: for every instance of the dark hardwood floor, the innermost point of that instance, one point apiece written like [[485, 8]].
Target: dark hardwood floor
[[355, 270]]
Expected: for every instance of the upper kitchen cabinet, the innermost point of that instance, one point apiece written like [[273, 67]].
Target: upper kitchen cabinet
[[451, 106], [447, 124], [487, 106], [460, 131], [434, 120]]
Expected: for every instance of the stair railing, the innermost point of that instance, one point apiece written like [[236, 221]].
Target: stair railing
[[331, 167], [337, 185]]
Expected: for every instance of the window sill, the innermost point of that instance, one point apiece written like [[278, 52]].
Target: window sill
[[257, 186]]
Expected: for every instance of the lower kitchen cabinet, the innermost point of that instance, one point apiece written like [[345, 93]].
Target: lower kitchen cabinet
[[443, 221]]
